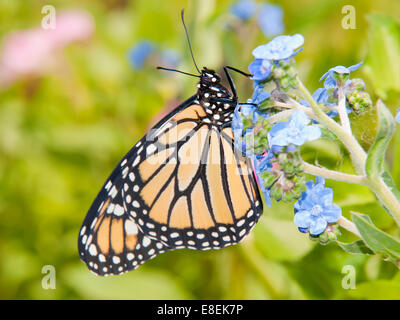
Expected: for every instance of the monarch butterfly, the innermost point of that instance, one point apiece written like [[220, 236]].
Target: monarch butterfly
[[183, 185]]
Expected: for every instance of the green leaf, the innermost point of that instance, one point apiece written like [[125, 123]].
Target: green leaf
[[387, 178], [377, 240], [357, 247], [383, 61], [376, 154]]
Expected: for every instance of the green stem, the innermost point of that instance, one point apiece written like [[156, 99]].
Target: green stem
[[283, 115], [348, 225], [333, 175], [294, 105], [344, 118]]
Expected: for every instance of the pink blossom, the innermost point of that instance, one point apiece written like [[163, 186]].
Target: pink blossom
[[71, 26], [33, 51]]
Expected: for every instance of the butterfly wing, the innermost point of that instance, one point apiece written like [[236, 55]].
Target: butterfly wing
[[183, 185]]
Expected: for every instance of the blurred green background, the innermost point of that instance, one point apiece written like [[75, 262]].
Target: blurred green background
[[63, 131]]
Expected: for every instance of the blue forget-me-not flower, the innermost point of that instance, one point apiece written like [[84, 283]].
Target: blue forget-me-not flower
[[260, 69], [259, 95], [140, 52], [330, 82], [170, 58], [244, 9], [296, 131], [280, 48], [314, 210], [398, 115], [270, 19], [239, 132], [263, 163]]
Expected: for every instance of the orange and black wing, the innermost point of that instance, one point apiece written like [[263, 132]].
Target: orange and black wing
[[183, 185]]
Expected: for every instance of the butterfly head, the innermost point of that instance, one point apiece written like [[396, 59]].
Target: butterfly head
[[209, 77], [210, 87]]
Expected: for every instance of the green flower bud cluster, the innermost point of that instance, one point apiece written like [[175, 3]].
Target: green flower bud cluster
[[330, 234], [359, 101], [257, 142], [285, 73], [286, 179]]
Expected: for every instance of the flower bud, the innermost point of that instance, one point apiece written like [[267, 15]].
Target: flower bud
[[276, 192], [269, 178], [356, 84], [330, 234], [359, 101]]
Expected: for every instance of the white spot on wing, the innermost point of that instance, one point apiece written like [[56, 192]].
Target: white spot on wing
[[137, 159], [131, 227], [136, 204], [119, 210], [83, 230], [116, 259], [113, 192], [150, 149], [108, 185], [146, 241], [92, 250]]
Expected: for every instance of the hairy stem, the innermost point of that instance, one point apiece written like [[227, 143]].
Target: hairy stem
[[333, 175], [348, 225], [344, 118], [283, 115]]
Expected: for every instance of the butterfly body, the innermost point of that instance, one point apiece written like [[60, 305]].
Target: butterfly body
[[183, 185]]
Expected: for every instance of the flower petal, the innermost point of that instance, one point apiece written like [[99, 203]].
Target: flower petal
[[297, 40], [330, 83], [259, 52], [299, 119], [340, 69], [270, 19], [318, 226], [302, 219], [278, 127], [326, 196], [297, 140], [332, 213], [311, 133], [356, 66], [244, 9]]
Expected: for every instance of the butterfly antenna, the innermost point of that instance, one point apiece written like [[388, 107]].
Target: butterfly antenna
[[179, 71], [239, 71], [188, 40]]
